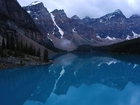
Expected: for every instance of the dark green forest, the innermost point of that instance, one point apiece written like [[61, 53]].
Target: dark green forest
[[126, 47], [12, 47]]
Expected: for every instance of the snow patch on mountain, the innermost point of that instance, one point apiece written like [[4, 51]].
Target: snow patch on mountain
[[35, 3], [109, 38], [111, 16], [128, 37], [49, 37], [29, 12], [36, 18], [98, 37], [60, 30], [101, 20], [135, 35], [73, 30], [108, 17]]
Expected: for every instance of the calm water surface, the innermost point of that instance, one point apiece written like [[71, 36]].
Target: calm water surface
[[74, 79]]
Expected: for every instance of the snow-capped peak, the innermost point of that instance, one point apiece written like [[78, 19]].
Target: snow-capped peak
[[35, 3], [118, 11], [111, 15], [75, 17]]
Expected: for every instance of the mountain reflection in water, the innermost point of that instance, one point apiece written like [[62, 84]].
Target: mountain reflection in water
[[74, 79]]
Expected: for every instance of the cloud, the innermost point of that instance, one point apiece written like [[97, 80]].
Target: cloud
[[91, 8]]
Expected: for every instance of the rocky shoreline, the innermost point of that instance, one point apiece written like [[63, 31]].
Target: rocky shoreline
[[13, 62]]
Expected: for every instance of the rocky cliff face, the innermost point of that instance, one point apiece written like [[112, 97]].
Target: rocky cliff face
[[43, 20], [114, 25], [65, 33], [40, 16], [16, 21]]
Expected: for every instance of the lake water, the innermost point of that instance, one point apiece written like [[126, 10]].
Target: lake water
[[74, 79]]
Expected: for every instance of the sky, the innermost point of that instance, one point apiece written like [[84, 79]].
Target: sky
[[90, 8]]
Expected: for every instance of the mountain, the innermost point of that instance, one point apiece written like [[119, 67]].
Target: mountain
[[42, 18], [65, 33], [115, 25], [16, 22]]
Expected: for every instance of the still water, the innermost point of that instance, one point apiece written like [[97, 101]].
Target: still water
[[74, 79]]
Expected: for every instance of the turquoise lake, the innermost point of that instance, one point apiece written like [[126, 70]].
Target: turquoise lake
[[74, 79]]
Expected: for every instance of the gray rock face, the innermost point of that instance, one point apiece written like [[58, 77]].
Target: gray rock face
[[114, 25], [41, 16], [134, 22], [43, 20], [58, 28], [15, 20]]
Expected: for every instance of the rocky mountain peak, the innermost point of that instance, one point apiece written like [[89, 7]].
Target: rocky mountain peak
[[118, 11], [35, 3], [41, 16], [35, 7], [116, 14], [75, 17], [87, 17], [135, 16], [61, 13]]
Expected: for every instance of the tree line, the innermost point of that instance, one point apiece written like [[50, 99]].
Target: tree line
[[12, 47]]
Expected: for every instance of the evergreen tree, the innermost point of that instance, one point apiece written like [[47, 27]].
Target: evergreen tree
[[15, 54], [7, 42], [26, 48], [3, 43], [9, 52], [12, 43], [17, 46], [34, 52], [38, 52], [1, 52], [21, 46], [45, 57], [31, 50]]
